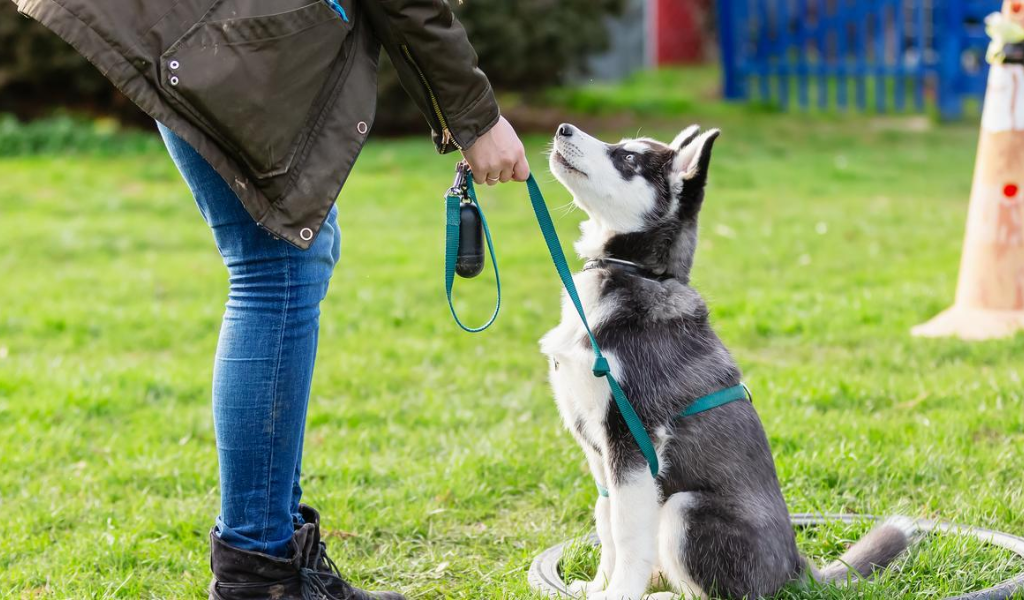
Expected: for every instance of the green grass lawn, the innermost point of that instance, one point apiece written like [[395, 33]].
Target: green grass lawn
[[437, 457]]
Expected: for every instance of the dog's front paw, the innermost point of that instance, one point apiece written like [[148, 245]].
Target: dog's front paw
[[586, 589]]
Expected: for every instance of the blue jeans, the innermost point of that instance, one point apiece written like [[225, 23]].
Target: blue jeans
[[265, 356]]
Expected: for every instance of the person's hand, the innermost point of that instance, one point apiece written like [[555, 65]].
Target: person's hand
[[498, 155]]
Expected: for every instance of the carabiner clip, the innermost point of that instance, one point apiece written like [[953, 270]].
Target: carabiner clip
[[460, 187]]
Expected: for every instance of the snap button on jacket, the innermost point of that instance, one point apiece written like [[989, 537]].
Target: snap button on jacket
[[279, 95]]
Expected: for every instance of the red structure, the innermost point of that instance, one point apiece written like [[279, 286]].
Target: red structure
[[680, 30]]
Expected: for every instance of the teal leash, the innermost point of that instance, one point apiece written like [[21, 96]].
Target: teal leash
[[453, 201], [601, 368]]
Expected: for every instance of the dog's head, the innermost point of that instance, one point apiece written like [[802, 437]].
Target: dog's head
[[642, 196]]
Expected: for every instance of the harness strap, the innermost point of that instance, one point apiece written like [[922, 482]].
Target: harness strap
[[730, 394], [601, 367], [453, 219], [702, 404]]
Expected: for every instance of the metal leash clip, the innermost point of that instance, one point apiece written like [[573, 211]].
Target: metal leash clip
[[460, 187]]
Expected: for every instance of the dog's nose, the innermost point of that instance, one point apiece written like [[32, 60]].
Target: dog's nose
[[565, 130]]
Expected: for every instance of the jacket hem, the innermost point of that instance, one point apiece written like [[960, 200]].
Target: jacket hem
[[276, 218]]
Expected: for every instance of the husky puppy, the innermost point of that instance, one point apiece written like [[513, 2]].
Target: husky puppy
[[713, 522]]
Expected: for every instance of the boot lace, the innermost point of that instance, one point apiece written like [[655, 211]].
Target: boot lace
[[313, 585], [330, 563], [316, 583]]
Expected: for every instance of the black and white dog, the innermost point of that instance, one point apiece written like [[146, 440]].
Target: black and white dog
[[713, 522]]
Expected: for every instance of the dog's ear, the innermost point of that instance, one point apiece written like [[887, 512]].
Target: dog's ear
[[689, 172], [690, 165], [685, 137]]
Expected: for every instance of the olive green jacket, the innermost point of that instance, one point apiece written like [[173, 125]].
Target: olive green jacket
[[279, 95]]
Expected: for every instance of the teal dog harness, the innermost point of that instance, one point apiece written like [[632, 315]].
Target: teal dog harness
[[702, 404]]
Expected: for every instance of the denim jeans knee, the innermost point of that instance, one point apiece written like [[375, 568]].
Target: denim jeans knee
[[265, 357]]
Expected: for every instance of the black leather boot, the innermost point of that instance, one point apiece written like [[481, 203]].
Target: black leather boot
[[245, 575]]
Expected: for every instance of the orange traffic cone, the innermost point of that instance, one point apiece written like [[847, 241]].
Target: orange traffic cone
[[990, 291]]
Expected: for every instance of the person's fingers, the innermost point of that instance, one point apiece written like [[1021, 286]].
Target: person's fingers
[[498, 156], [521, 172], [481, 171]]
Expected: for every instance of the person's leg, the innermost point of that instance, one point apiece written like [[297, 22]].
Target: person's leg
[[264, 362], [297, 520]]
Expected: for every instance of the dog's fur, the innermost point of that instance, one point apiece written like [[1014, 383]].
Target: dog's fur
[[714, 520]]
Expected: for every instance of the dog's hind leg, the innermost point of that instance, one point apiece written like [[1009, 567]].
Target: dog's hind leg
[[672, 546]]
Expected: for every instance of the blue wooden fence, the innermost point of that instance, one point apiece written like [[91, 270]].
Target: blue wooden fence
[[885, 55]]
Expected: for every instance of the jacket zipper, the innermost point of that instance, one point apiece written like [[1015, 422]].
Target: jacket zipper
[[338, 9], [446, 133]]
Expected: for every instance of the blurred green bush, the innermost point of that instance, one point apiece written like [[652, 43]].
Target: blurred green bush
[[524, 45], [40, 73], [64, 134]]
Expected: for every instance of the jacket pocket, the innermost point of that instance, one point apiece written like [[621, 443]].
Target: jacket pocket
[[253, 83]]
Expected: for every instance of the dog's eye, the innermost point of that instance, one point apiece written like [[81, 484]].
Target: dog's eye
[[630, 158]]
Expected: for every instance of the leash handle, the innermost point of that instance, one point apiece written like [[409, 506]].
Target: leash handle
[[463, 190], [601, 367]]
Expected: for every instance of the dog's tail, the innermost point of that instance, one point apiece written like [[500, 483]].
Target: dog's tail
[[876, 550]]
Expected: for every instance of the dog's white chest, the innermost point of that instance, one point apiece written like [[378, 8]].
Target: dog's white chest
[[582, 398]]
